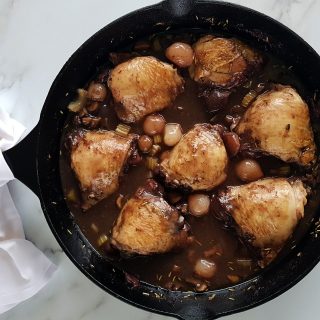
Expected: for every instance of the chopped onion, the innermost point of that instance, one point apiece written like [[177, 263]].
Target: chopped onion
[[157, 139], [151, 163], [155, 150], [72, 195], [90, 122], [102, 240], [248, 98], [77, 105], [123, 129]]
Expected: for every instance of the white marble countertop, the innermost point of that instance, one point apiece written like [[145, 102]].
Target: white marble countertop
[[36, 38]]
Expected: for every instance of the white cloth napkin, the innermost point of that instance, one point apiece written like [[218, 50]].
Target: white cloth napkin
[[24, 269]]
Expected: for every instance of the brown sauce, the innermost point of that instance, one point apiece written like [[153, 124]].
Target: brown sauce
[[187, 110]]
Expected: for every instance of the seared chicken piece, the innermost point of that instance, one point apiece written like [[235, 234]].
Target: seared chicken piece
[[222, 62], [198, 161], [143, 85], [97, 159], [147, 224], [278, 123], [264, 212]]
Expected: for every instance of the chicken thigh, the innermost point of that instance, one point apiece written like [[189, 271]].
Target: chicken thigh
[[264, 212], [147, 224], [223, 63], [143, 85], [97, 159], [278, 123], [197, 162]]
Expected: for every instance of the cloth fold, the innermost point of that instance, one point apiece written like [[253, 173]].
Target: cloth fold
[[24, 269]]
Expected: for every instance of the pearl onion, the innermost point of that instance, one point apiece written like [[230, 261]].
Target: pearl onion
[[248, 170], [199, 204], [172, 134], [205, 268], [145, 143], [180, 54], [154, 124]]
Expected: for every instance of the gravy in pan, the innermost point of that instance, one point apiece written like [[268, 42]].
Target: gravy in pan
[[174, 270]]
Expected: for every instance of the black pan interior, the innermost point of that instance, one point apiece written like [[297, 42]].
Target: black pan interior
[[256, 29]]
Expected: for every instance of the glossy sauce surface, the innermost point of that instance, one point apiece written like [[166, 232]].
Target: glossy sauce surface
[[234, 261]]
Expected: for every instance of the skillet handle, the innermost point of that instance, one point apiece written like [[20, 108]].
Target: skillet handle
[[179, 8], [22, 160], [196, 313]]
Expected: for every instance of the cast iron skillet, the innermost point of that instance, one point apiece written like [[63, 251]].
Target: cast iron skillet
[[35, 161]]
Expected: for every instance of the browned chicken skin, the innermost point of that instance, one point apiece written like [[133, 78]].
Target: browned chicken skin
[[198, 161], [97, 159], [278, 123], [222, 62], [147, 224], [143, 85], [264, 212]]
